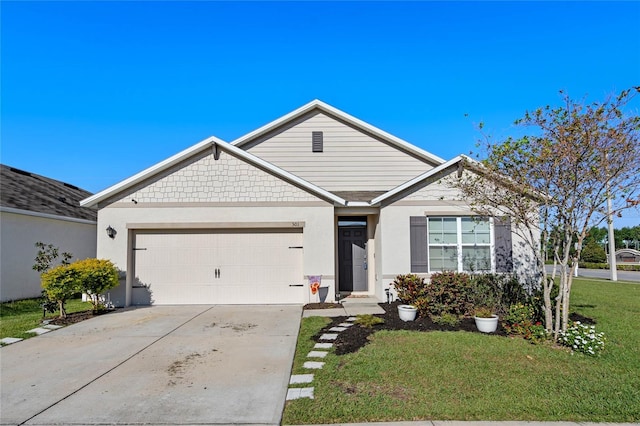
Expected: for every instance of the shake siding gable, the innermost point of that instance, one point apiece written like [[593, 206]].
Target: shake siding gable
[[351, 160], [227, 179]]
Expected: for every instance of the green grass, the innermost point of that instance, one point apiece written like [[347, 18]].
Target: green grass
[[19, 316], [404, 375]]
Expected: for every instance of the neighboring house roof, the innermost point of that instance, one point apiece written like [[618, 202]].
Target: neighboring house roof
[[628, 251], [212, 143], [343, 116], [24, 191]]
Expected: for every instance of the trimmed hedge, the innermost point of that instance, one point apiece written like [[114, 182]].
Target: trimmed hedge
[[619, 267]]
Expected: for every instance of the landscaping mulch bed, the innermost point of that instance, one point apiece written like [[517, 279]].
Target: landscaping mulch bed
[[356, 336], [75, 317]]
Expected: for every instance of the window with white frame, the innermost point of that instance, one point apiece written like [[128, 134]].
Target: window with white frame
[[459, 244]]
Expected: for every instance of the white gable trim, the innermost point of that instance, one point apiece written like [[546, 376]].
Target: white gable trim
[[210, 143], [317, 104]]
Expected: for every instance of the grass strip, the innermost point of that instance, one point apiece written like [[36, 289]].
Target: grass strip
[[21, 315]]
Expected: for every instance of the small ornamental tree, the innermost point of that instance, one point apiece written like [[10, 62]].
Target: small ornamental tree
[[95, 277], [47, 254], [555, 183], [60, 284]]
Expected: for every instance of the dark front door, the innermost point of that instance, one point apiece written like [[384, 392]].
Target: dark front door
[[352, 254]]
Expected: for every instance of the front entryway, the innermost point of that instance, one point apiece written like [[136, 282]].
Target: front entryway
[[352, 254]]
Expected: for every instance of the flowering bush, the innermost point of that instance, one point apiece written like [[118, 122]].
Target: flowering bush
[[519, 320], [583, 338]]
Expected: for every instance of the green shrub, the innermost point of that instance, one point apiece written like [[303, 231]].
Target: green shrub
[[446, 319], [450, 292], [619, 267], [520, 320], [90, 276], [409, 287], [60, 284], [96, 276], [368, 321], [412, 290], [497, 291]]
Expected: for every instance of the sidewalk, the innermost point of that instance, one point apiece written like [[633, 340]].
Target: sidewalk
[[478, 423], [350, 306]]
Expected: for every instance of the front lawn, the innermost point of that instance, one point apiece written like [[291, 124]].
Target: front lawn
[[408, 375], [19, 316]]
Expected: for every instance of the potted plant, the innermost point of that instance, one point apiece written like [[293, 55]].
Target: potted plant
[[486, 320], [407, 312]]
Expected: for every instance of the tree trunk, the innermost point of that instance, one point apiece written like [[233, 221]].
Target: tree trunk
[[63, 312]]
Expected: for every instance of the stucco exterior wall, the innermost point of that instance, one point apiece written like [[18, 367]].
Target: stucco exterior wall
[[18, 235]]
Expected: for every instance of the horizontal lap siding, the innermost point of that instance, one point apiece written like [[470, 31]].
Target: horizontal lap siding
[[350, 161]]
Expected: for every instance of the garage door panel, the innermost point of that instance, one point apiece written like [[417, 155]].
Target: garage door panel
[[255, 266]]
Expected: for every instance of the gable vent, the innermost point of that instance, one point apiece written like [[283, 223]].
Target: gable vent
[[316, 141]]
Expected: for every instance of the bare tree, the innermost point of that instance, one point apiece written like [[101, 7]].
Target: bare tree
[[554, 183]]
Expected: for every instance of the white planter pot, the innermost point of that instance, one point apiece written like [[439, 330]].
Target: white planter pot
[[487, 325], [407, 312]]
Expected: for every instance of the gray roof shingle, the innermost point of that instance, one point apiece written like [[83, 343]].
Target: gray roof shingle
[[28, 191]]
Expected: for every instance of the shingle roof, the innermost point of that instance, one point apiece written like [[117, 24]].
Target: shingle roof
[[28, 191]]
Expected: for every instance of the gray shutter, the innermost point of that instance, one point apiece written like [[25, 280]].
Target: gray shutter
[[418, 243], [504, 249], [316, 141]]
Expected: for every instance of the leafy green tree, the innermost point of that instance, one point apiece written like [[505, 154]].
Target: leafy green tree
[[593, 252], [557, 179]]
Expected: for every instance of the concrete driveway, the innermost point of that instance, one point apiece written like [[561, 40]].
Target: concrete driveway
[[155, 365]]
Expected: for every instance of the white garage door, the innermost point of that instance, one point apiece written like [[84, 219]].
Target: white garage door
[[219, 267]]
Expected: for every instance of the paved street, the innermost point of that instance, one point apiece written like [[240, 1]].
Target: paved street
[[605, 274]]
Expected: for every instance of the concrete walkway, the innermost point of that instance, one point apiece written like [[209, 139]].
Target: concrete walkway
[[350, 306]]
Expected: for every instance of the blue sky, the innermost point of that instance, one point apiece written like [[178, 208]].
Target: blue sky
[[93, 92]]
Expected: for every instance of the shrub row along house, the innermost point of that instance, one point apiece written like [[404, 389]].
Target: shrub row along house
[[316, 192]]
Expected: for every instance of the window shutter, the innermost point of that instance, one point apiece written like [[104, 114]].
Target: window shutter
[[316, 141], [418, 243], [504, 249]]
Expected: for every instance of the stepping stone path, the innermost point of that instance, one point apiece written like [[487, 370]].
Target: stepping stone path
[[38, 330], [10, 340], [297, 393]]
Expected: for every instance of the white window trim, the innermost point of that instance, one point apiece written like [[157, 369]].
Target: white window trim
[[459, 245]]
